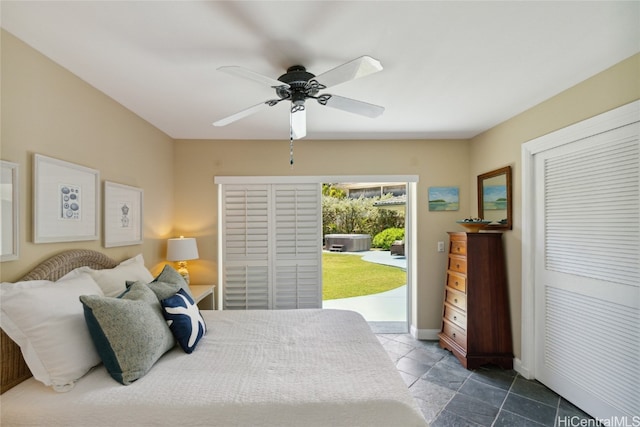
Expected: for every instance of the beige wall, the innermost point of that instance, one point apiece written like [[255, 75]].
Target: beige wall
[[47, 110], [437, 163], [501, 146]]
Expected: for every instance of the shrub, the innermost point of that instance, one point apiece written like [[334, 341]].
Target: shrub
[[385, 238]]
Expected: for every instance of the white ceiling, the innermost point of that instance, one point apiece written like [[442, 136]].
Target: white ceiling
[[452, 69]]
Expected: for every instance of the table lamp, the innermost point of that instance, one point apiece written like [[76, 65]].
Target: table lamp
[[182, 250]]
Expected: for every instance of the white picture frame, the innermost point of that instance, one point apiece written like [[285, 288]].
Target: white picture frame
[[9, 215], [66, 199], [123, 215]]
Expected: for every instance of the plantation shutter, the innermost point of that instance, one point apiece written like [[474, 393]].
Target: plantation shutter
[[246, 246], [297, 239], [271, 246]]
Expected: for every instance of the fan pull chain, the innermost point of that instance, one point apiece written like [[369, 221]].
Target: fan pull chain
[[291, 153], [291, 140]]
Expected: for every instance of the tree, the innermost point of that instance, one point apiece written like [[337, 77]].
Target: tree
[[341, 215]]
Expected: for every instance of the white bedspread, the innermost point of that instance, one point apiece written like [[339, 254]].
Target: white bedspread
[[253, 368]]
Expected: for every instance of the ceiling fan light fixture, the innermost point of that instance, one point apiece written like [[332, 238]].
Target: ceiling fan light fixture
[[297, 100], [297, 85]]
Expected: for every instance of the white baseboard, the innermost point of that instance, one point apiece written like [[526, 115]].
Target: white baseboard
[[424, 334], [521, 369]]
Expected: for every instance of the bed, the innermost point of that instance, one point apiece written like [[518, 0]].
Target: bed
[[251, 368]]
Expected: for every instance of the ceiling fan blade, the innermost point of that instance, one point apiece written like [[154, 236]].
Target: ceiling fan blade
[[351, 70], [298, 124], [242, 114], [353, 106], [235, 70]]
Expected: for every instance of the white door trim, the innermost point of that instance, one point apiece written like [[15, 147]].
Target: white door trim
[[621, 116]]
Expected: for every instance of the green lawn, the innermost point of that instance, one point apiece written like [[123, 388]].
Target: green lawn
[[346, 276]]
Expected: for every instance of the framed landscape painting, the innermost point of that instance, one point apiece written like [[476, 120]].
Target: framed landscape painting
[[444, 198]]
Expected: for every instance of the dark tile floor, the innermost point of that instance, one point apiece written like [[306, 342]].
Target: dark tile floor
[[450, 395]]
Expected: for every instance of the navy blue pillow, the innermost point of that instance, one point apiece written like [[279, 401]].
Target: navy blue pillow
[[184, 320]]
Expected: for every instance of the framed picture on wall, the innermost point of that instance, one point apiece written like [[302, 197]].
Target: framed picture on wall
[[65, 201], [122, 215], [9, 196], [444, 199]]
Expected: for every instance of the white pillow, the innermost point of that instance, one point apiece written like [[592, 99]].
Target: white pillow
[[113, 281], [46, 319]]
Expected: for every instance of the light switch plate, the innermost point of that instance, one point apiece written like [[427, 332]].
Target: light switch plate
[[440, 246]]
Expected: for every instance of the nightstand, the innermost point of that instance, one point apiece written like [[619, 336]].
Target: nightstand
[[203, 295]]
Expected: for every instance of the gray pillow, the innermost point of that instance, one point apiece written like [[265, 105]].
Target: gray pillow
[[129, 333], [171, 276], [163, 290], [166, 284]]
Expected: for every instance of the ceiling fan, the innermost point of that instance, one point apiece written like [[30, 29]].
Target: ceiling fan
[[297, 85]]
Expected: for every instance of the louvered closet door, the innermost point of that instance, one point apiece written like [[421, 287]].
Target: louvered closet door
[[272, 246], [297, 246], [588, 272], [245, 239]]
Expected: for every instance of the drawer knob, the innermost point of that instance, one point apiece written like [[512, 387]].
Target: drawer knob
[[455, 317], [455, 300], [454, 334], [457, 265], [456, 283]]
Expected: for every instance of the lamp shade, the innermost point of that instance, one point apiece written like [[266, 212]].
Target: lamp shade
[[182, 249]]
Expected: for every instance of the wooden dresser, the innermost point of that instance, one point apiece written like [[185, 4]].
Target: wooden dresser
[[476, 325]]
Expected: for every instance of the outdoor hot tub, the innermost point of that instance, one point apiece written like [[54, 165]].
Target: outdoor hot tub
[[347, 242]]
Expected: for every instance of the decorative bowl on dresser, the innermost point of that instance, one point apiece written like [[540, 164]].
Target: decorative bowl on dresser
[[476, 325], [473, 226]]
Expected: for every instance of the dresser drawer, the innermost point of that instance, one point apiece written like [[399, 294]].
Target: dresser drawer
[[458, 263], [458, 247], [455, 316], [457, 282], [456, 299], [455, 333]]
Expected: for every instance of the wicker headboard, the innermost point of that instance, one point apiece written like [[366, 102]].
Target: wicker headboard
[[13, 369]]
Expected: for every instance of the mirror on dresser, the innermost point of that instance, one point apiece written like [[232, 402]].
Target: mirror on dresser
[[494, 198]]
